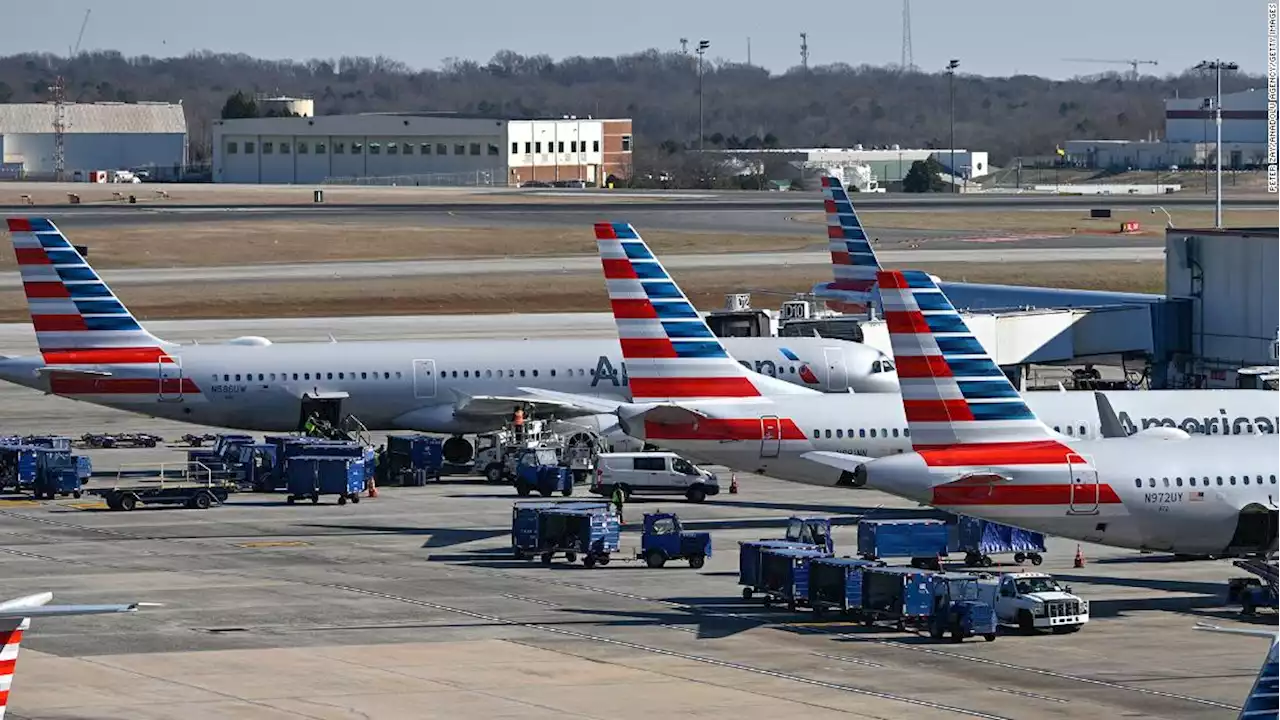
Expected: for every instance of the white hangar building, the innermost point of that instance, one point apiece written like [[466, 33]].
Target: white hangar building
[[420, 147], [98, 136]]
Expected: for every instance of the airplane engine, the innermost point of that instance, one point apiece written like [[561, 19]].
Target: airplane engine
[[584, 430], [856, 478], [458, 450]]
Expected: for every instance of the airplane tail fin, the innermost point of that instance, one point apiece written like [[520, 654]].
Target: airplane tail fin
[[952, 391], [671, 353], [11, 630], [77, 318], [853, 260], [1263, 697]]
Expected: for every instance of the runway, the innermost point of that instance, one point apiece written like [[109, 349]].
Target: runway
[[591, 263]]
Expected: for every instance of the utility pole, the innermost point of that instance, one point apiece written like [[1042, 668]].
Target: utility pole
[[907, 63], [951, 90], [1217, 65], [748, 51], [702, 49], [804, 51]]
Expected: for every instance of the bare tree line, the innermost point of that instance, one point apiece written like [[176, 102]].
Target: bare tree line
[[834, 105]]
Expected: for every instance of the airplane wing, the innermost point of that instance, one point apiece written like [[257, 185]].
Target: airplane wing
[[1264, 697], [1110, 422], [590, 404], [660, 412], [839, 461], [38, 606], [77, 371], [501, 405]]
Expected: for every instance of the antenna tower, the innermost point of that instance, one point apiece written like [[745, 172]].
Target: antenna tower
[[907, 62], [804, 50], [59, 91], [684, 46]]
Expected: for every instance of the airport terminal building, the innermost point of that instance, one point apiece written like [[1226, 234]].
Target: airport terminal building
[[421, 149]]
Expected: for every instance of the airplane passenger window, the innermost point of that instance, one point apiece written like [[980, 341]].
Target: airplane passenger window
[[364, 376], [884, 432], [1178, 481], [1081, 431], [260, 378], [466, 373], [817, 433], [387, 375], [792, 369], [1057, 429], [553, 372], [873, 432], [1151, 482], [329, 376], [455, 373], [1245, 478], [895, 432], [1273, 479], [1166, 481], [342, 376], [906, 432], [535, 373], [1070, 430], [1259, 478], [1232, 479], [512, 373], [580, 373], [828, 434], [1219, 481], [273, 377], [1137, 483], [522, 373], [862, 432], [225, 378], [839, 433], [488, 373], [1192, 481], [237, 377], [398, 375]]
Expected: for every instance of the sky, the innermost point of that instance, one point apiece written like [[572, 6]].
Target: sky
[[989, 37]]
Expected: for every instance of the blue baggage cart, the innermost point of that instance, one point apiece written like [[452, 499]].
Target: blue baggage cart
[[836, 584], [749, 561], [924, 541], [784, 575], [980, 539], [545, 529], [412, 459], [312, 476]]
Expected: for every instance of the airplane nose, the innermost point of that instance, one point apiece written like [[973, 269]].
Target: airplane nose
[[904, 475], [885, 382]]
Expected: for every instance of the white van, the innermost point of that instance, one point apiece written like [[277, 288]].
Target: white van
[[653, 473]]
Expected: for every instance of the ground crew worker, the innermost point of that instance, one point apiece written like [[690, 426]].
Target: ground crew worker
[[517, 420], [617, 500], [309, 427]]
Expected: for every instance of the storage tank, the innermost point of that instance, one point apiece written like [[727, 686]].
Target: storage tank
[[281, 105]]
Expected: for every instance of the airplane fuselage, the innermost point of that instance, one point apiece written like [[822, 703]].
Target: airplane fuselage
[[423, 386], [1197, 496], [768, 437]]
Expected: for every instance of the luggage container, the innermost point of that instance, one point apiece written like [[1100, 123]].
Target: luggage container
[[921, 540], [784, 575], [546, 529], [413, 459], [749, 561], [980, 539], [311, 476], [836, 584]]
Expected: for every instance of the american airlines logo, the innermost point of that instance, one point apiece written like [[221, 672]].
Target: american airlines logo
[[1222, 425]]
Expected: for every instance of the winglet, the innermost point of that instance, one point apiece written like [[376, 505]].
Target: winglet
[[952, 391], [77, 318], [671, 353], [1110, 424], [853, 260]]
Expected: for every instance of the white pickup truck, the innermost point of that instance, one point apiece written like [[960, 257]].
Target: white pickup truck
[[1034, 601]]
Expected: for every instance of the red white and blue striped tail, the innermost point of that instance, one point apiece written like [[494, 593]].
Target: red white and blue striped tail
[[11, 630], [77, 318], [853, 260], [670, 352], [952, 391]]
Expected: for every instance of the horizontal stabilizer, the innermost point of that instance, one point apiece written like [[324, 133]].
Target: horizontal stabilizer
[[38, 606], [75, 371]]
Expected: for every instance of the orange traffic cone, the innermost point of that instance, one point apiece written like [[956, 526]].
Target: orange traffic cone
[[1079, 561], [373, 489], [733, 484]]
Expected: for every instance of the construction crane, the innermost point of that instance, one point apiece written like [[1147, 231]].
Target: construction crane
[[1133, 64], [60, 125]]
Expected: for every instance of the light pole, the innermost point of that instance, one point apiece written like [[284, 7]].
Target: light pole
[[1217, 65], [702, 48], [951, 89]]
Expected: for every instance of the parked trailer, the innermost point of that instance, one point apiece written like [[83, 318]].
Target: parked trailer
[[162, 491], [836, 584], [784, 575], [310, 476], [924, 541], [749, 561], [114, 440], [413, 459], [980, 539], [545, 529]]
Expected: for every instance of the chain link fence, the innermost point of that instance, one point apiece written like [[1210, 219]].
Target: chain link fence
[[490, 177]]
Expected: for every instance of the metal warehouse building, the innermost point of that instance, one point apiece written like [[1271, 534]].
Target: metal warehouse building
[[98, 136], [419, 148]]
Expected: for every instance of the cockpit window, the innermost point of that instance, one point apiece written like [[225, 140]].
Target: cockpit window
[[875, 367]]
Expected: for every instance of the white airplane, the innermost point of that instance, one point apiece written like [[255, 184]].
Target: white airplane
[[92, 349], [979, 449], [690, 397], [15, 618]]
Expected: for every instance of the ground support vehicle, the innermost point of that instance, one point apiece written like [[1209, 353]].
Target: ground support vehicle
[[195, 441], [544, 529], [225, 448], [784, 575], [750, 561], [253, 467], [653, 473], [114, 440], [665, 539], [52, 442], [959, 609], [1259, 591], [924, 541], [1033, 601], [941, 603], [43, 471], [980, 539], [413, 459], [540, 471], [310, 476], [812, 530]]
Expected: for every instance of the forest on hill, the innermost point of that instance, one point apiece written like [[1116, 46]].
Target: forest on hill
[[834, 105]]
